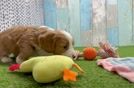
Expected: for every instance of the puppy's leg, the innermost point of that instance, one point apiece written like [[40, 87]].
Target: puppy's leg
[[6, 59], [74, 54], [4, 56], [19, 59], [26, 51]]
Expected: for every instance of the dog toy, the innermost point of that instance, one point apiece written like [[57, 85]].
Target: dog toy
[[46, 69], [89, 53], [105, 51]]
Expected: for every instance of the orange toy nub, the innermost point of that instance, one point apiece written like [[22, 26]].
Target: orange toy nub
[[89, 53], [69, 75]]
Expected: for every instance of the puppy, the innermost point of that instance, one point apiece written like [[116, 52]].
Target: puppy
[[27, 41]]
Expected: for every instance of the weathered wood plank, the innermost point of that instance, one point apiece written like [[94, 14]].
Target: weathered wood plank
[[133, 21], [74, 14], [112, 22], [113, 36], [85, 14], [50, 15], [62, 15], [86, 22], [125, 22], [99, 21]]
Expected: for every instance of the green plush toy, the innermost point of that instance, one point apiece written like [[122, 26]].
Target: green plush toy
[[47, 69]]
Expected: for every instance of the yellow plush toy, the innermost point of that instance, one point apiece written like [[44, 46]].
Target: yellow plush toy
[[47, 69]]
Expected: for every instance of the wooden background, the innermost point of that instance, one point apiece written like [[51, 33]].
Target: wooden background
[[91, 21]]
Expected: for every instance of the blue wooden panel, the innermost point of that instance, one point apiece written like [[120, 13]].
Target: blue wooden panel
[[133, 23], [62, 15], [74, 15], [50, 18], [111, 2], [86, 14], [99, 21], [113, 36], [112, 22], [62, 19], [125, 22]]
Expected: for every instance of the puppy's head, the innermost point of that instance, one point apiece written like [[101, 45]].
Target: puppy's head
[[54, 42]]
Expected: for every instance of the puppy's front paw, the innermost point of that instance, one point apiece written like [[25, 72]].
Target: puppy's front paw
[[76, 54], [19, 60], [6, 60]]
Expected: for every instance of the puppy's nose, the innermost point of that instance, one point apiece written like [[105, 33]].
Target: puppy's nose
[[73, 56]]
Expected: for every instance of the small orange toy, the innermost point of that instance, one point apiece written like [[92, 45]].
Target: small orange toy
[[89, 53]]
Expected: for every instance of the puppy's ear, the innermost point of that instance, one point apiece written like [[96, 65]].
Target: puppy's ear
[[61, 44], [46, 41]]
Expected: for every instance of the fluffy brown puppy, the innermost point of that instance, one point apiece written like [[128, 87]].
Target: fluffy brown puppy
[[27, 41]]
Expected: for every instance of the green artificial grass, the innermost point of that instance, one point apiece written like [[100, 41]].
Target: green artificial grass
[[94, 77]]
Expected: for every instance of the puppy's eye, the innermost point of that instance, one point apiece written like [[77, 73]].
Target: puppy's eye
[[65, 47]]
